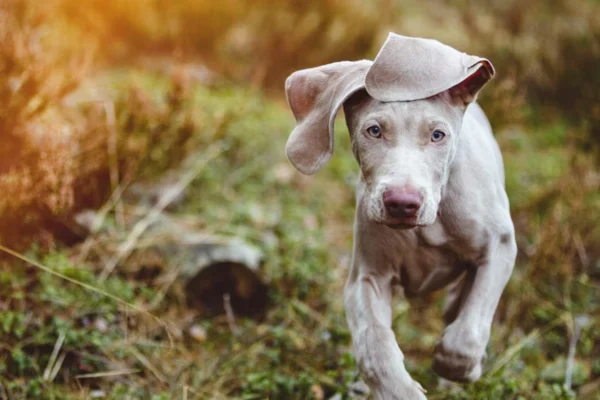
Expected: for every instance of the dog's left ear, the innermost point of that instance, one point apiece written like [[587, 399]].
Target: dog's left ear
[[408, 69]]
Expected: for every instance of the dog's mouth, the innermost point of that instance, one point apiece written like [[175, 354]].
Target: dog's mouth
[[401, 226], [401, 223]]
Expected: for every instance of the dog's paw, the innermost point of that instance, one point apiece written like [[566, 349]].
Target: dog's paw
[[412, 391], [460, 354], [403, 390], [420, 388]]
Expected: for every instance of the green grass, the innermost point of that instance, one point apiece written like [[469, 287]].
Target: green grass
[[300, 348]]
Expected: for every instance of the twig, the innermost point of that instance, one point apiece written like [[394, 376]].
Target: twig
[[140, 227], [229, 314]]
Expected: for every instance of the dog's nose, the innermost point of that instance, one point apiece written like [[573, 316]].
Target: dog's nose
[[402, 202]]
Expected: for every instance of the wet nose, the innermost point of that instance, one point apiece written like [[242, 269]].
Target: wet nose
[[402, 202]]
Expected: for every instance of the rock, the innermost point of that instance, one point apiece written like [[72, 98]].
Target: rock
[[284, 173], [85, 219], [97, 394], [224, 267], [317, 392], [198, 333], [101, 325]]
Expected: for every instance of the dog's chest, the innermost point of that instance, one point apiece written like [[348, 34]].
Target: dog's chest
[[428, 260]]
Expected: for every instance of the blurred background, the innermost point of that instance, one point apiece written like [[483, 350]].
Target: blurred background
[[157, 244]]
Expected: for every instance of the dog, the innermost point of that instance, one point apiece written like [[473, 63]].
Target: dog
[[431, 206]]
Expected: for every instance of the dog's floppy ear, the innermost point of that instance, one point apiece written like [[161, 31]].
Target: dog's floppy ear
[[467, 90], [315, 95], [409, 69]]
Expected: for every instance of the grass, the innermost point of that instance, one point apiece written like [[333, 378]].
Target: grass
[[67, 333]]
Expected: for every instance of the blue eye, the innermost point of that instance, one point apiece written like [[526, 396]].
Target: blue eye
[[374, 131], [437, 136]]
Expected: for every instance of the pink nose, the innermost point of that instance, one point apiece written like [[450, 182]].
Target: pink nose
[[402, 202]]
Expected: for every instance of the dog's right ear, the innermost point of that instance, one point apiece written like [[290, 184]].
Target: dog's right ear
[[315, 95], [408, 69]]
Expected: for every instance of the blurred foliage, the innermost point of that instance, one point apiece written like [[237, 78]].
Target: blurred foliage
[[246, 40], [546, 55], [100, 94], [545, 51], [37, 70]]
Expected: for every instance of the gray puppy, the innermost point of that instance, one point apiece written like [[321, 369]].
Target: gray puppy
[[431, 205]]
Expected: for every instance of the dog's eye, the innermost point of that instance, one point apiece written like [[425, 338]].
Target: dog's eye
[[374, 131], [436, 136]]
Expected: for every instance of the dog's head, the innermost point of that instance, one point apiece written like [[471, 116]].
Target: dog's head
[[404, 112]]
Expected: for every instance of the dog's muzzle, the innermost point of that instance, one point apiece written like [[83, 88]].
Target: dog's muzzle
[[402, 205]]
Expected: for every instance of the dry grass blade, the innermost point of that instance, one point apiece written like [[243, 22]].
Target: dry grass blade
[[140, 227], [590, 388], [87, 286], [57, 365], [581, 252], [169, 280], [3, 392], [512, 351], [113, 158], [107, 374], [580, 322], [309, 312], [99, 219], [52, 362], [142, 358]]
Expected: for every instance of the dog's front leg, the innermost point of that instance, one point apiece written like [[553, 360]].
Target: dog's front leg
[[460, 353], [368, 298]]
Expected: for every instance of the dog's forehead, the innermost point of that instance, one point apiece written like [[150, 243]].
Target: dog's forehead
[[409, 113]]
